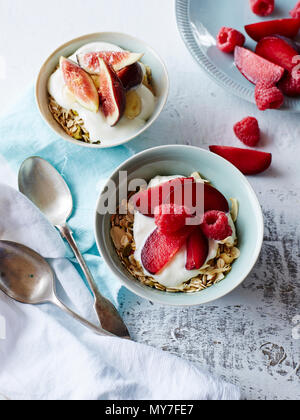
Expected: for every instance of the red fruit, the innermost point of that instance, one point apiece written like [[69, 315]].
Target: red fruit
[[229, 38], [284, 27], [178, 191], [170, 218], [112, 94], [80, 84], [295, 13], [197, 250], [248, 131], [160, 249], [255, 68], [262, 7], [131, 76], [290, 85], [215, 226], [249, 162], [278, 51], [268, 97], [118, 60]]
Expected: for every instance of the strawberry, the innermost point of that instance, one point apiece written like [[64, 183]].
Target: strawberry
[[197, 250], [284, 27], [160, 248], [255, 68], [249, 162]]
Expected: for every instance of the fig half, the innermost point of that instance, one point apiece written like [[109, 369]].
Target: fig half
[[80, 84], [112, 94], [117, 59]]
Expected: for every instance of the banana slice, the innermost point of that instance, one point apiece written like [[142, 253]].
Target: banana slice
[[133, 105]]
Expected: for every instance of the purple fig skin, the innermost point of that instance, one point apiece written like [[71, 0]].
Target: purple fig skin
[[131, 76]]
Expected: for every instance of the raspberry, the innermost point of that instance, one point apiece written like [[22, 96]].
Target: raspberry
[[170, 218], [229, 38], [248, 131], [268, 97], [290, 85], [215, 225], [262, 7], [295, 13]]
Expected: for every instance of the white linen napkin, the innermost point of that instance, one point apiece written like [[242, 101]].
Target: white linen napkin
[[47, 355]]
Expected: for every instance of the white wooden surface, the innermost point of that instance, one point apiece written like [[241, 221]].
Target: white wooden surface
[[248, 337]]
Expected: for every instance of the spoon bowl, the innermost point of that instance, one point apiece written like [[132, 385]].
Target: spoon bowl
[[46, 188], [26, 277]]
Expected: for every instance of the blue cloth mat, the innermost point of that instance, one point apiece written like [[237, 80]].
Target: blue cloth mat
[[23, 133]]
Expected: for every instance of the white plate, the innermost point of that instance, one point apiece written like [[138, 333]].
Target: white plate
[[199, 22]]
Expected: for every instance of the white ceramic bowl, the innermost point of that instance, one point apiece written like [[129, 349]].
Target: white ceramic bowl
[[127, 42], [170, 160]]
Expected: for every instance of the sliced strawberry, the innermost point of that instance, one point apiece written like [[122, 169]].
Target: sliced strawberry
[[249, 162], [278, 51], [160, 249], [255, 68], [284, 27], [197, 250], [179, 191]]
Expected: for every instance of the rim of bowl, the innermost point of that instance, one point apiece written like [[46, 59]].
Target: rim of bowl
[[260, 236], [128, 139]]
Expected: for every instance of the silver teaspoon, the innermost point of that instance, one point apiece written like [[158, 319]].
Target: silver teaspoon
[[46, 188], [27, 278]]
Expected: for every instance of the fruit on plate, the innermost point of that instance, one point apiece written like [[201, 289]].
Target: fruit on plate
[[290, 85], [284, 27], [117, 59], [262, 7], [255, 68], [229, 38], [170, 218], [278, 51], [268, 97], [180, 189], [249, 162], [80, 84], [112, 94], [215, 225], [197, 250], [160, 248], [295, 13], [133, 105], [248, 131], [131, 76]]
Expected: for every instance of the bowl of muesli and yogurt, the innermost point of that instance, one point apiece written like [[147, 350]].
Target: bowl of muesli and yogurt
[[102, 90], [148, 243]]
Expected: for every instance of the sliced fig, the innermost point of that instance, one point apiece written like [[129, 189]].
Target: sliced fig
[[80, 84], [117, 59], [112, 94], [131, 76]]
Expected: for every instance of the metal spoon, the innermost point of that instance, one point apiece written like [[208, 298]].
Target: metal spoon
[[26, 277], [46, 188]]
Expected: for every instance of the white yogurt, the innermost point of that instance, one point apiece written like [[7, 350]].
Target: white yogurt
[[95, 122], [174, 275]]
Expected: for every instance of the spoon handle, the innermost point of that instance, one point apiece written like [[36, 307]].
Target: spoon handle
[[92, 327], [108, 315]]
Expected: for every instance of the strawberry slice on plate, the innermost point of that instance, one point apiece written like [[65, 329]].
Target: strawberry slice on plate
[[160, 248], [278, 51], [197, 250], [284, 27], [255, 68], [249, 162]]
